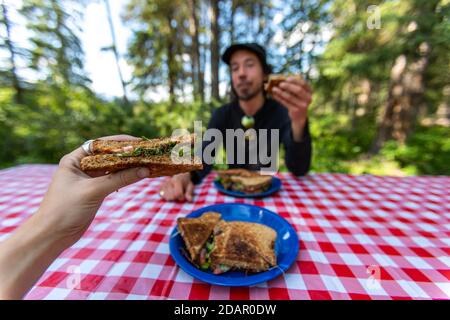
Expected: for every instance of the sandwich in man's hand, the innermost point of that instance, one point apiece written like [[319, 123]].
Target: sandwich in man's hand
[[246, 181], [220, 246], [275, 80], [155, 154]]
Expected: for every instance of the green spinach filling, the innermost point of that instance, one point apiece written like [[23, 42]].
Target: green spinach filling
[[209, 248], [146, 152], [226, 183]]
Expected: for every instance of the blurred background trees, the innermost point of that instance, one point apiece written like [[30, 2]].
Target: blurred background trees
[[379, 69]]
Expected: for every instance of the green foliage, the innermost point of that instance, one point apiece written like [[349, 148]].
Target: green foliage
[[56, 51], [43, 130], [350, 74], [337, 141], [427, 152], [156, 47], [339, 147]]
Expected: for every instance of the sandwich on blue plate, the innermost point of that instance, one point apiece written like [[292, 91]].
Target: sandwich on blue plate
[[219, 246]]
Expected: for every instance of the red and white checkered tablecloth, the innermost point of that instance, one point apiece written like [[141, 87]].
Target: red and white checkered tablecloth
[[361, 237]]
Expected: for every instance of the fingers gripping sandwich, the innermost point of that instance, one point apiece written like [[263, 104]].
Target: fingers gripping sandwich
[[155, 154], [275, 80]]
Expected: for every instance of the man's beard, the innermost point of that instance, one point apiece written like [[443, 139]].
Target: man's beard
[[248, 94]]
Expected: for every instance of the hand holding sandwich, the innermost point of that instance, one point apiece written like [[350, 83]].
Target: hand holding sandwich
[[67, 210], [296, 95], [80, 194]]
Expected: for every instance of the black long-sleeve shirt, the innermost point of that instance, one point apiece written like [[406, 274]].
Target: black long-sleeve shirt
[[271, 116]]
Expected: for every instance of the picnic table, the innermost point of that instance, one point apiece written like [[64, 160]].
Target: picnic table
[[361, 237]]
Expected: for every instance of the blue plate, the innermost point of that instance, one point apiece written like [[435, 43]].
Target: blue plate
[[274, 187], [286, 245]]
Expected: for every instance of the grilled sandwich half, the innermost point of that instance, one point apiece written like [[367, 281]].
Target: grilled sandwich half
[[196, 232], [155, 154], [243, 246], [246, 181]]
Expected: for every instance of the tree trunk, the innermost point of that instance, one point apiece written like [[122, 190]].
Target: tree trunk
[[116, 53], [18, 97], [261, 18], [199, 85], [443, 111], [405, 98], [204, 46], [251, 21], [232, 15], [171, 51], [215, 48], [60, 56], [338, 103], [407, 87], [268, 23], [171, 72]]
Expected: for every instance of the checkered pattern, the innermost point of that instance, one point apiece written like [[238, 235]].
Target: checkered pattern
[[361, 237]]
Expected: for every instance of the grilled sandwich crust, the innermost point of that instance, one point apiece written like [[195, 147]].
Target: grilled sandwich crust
[[244, 245], [251, 181], [111, 146], [276, 79], [196, 231], [237, 172], [158, 165]]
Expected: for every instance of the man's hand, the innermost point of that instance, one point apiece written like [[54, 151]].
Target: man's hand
[[178, 188], [296, 96]]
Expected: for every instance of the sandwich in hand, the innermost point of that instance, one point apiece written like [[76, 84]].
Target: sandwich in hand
[[155, 154], [246, 181], [276, 79], [220, 246]]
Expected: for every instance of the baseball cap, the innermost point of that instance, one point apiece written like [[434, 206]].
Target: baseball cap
[[253, 47]]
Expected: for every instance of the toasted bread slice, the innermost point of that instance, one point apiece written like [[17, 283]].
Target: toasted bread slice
[[196, 231], [243, 245], [115, 146], [237, 172], [158, 165], [276, 79]]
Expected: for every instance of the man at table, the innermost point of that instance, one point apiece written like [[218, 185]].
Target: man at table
[[287, 111]]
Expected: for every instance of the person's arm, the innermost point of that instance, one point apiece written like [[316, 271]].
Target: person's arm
[[67, 210], [26, 255], [296, 96], [298, 153]]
